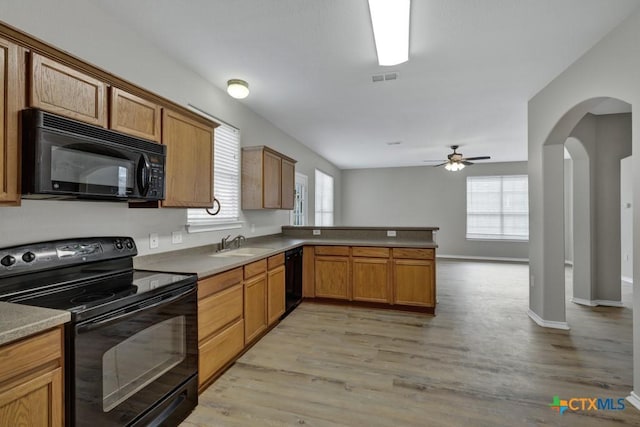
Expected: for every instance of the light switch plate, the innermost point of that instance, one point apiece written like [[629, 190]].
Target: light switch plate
[[391, 233], [176, 237], [154, 240], [316, 232]]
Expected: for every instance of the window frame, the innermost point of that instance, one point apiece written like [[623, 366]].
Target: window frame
[[318, 196], [197, 219], [502, 237]]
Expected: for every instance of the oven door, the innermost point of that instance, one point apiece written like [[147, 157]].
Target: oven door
[[126, 362]]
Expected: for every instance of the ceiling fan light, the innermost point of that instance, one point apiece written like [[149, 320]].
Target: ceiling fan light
[[237, 88], [460, 166], [448, 167]]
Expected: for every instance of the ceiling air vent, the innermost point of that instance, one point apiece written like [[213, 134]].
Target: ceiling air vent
[[384, 77]]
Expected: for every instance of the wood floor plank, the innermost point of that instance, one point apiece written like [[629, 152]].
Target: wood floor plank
[[480, 362]]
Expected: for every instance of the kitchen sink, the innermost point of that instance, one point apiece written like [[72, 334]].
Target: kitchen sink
[[242, 252]]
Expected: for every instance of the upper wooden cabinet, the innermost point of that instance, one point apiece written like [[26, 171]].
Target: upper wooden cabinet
[[12, 94], [288, 184], [189, 167], [267, 179], [63, 90], [134, 115]]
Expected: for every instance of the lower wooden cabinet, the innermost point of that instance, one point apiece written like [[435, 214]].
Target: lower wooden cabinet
[[275, 294], [255, 304], [31, 381], [371, 279], [219, 350], [394, 276], [413, 282], [220, 323], [332, 277]]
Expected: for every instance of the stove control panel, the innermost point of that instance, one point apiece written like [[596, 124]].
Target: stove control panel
[[47, 255]]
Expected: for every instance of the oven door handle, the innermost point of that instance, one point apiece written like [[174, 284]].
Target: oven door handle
[[132, 310]]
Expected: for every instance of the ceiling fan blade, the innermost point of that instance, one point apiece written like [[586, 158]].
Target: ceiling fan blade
[[477, 158], [433, 161], [441, 164], [466, 163]]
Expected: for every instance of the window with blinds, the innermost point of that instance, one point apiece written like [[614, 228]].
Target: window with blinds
[[324, 199], [498, 207], [226, 183]]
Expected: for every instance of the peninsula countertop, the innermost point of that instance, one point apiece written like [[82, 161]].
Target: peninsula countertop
[[20, 321], [201, 259]]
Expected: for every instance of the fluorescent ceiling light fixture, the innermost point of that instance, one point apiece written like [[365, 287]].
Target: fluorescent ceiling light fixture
[[237, 88], [390, 20]]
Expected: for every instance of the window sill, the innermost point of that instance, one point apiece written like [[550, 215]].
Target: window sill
[[487, 239], [201, 228]]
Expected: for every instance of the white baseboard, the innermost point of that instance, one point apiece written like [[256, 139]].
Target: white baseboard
[[627, 280], [596, 302], [634, 399], [547, 323], [482, 258]]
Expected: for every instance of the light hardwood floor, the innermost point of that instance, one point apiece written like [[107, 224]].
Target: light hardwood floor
[[480, 362]]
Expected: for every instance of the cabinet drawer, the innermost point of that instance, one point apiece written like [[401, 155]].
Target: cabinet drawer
[[370, 252], [221, 281], [29, 353], [332, 250], [255, 268], [219, 310], [219, 350], [274, 261], [414, 253]]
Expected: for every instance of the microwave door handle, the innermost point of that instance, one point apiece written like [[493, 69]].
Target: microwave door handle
[[144, 174]]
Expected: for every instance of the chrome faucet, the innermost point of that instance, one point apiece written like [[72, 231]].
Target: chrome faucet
[[238, 240], [223, 243]]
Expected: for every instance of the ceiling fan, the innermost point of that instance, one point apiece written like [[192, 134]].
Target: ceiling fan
[[455, 161]]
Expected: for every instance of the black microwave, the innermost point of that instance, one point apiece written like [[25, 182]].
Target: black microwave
[[64, 158]]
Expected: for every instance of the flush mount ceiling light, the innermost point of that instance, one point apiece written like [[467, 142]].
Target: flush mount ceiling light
[[237, 88], [390, 20]]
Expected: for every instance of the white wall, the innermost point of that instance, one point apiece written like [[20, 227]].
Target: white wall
[[609, 69], [626, 218], [425, 196], [86, 31]]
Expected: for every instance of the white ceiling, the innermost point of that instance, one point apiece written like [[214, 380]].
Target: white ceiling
[[473, 66]]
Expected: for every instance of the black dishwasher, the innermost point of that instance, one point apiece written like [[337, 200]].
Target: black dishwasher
[[293, 272]]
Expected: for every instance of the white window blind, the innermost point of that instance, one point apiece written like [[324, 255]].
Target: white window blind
[[226, 181], [324, 198], [498, 207]]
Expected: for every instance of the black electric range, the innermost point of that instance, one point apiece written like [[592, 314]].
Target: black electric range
[[131, 346]]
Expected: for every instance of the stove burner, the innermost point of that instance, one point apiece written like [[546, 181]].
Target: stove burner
[[83, 299]]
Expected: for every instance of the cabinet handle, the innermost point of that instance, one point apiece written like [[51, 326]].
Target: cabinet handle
[[216, 210]]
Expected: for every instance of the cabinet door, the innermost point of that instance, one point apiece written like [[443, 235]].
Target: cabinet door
[[414, 282], [134, 115], [36, 402], [288, 184], [275, 293], [332, 277], [371, 279], [219, 350], [255, 307], [12, 93], [189, 168], [62, 90], [272, 177]]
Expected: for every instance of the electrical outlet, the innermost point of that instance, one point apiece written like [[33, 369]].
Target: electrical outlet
[[253, 228], [532, 281], [154, 240], [316, 232], [391, 233], [176, 237]]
